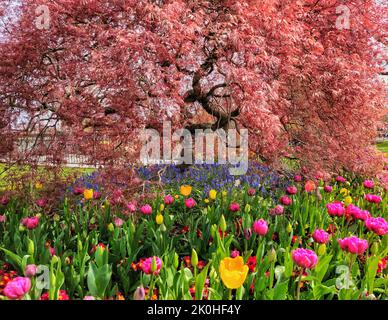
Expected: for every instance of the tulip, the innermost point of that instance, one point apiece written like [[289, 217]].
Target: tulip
[[146, 209], [353, 245], [212, 194], [378, 225], [89, 298], [285, 200], [169, 199], [304, 258], [139, 293], [335, 209], [118, 222], [309, 186], [222, 223], [234, 207], [38, 185], [17, 288], [3, 218], [328, 189], [298, 178], [321, 236], [185, 190], [233, 272], [291, 190], [88, 194], [41, 202], [340, 179], [248, 233], [277, 211], [131, 207], [260, 227], [235, 253], [30, 270], [194, 258], [4, 200], [373, 198], [190, 203], [30, 222], [159, 219], [251, 192], [369, 184], [151, 265], [348, 200]]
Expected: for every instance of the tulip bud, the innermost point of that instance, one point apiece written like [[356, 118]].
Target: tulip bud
[[139, 293], [247, 208], [133, 228], [21, 228], [163, 228], [154, 266], [272, 256], [322, 249], [222, 223], [111, 227], [194, 258], [56, 217], [55, 259], [31, 247], [159, 219], [30, 270], [289, 228], [161, 208], [176, 260], [213, 231], [248, 233]]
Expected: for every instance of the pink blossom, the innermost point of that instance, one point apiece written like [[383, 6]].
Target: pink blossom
[[369, 184], [97, 194], [340, 179], [131, 207], [251, 192], [146, 265], [291, 190], [89, 298], [328, 189], [260, 227], [30, 270], [169, 199], [377, 225], [298, 178], [41, 202], [362, 215], [30, 222], [320, 236], [335, 209], [4, 200], [146, 209], [305, 258], [234, 207], [118, 222], [17, 288], [373, 198], [3, 218], [277, 211], [190, 203], [285, 200], [52, 251], [353, 245], [235, 253]]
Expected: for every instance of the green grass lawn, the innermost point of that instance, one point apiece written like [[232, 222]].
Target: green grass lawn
[[383, 146]]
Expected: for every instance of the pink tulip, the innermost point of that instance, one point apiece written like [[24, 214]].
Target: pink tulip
[[362, 215], [277, 211], [4, 200], [285, 200], [139, 293], [146, 265], [169, 199], [52, 251], [353, 245], [3, 218], [328, 189], [340, 179], [251, 192], [377, 225], [373, 198], [41, 202], [320, 236], [17, 288], [118, 222], [30, 270], [369, 184], [304, 258], [146, 209], [30, 222], [190, 203], [235, 253], [131, 207], [248, 233], [234, 207], [291, 190], [89, 298], [97, 195], [298, 178], [335, 209], [260, 227]]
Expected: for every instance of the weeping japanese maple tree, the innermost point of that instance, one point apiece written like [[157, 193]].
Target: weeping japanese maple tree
[[301, 76]]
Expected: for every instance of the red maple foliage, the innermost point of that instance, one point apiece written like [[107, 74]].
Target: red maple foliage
[[95, 72]]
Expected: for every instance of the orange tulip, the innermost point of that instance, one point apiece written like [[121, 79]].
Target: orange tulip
[[233, 272], [186, 190], [310, 186]]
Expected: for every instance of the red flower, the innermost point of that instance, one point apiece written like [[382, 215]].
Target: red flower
[[62, 296], [251, 263]]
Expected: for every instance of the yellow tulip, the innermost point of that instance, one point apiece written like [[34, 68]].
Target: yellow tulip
[[176, 196], [159, 219], [206, 200], [348, 200], [186, 190], [88, 194], [224, 193], [38, 185], [161, 207], [344, 191], [213, 194], [233, 272]]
